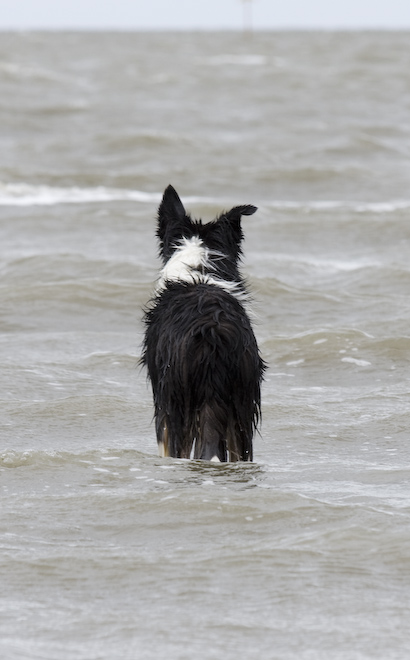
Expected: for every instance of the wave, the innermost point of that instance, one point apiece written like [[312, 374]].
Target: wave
[[25, 194], [231, 59], [308, 262], [389, 206], [11, 458], [20, 72]]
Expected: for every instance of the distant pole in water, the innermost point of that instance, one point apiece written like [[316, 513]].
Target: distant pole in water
[[247, 15]]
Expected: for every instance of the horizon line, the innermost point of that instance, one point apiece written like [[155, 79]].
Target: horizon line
[[277, 28]]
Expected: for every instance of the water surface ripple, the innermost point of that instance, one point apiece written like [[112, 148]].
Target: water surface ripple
[[106, 550]]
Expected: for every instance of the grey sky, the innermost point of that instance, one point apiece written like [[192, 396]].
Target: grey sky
[[202, 14]]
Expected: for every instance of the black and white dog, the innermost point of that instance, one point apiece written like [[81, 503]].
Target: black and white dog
[[199, 347]]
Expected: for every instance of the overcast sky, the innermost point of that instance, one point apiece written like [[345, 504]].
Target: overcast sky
[[203, 14]]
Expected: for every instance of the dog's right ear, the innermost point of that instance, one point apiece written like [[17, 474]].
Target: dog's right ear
[[173, 222]]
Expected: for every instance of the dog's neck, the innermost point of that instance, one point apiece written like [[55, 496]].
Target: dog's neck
[[194, 263]]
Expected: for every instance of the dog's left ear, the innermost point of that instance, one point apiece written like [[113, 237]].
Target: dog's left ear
[[234, 215], [173, 222], [233, 218]]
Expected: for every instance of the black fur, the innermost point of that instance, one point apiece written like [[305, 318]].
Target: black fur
[[199, 349]]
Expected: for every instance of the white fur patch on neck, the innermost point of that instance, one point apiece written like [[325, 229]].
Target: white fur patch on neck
[[191, 263], [187, 264]]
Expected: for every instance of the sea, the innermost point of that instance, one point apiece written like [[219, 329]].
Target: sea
[[106, 550]]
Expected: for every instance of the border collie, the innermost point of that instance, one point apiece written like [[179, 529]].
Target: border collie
[[199, 347]]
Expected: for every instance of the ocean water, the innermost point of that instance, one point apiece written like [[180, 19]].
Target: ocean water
[[106, 550]]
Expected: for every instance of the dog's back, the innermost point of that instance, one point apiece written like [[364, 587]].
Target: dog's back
[[200, 349]]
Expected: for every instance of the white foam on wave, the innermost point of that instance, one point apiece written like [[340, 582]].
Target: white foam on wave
[[24, 194], [21, 72], [383, 207], [329, 266], [356, 361], [236, 60], [390, 206], [340, 265]]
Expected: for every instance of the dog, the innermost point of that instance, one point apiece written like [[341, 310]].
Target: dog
[[199, 347]]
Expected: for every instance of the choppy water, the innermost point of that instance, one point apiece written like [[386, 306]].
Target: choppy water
[[107, 551]]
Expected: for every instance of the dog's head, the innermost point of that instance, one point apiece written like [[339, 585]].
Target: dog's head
[[220, 240]]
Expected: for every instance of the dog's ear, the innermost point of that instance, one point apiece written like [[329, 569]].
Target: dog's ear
[[234, 215], [233, 219], [173, 221]]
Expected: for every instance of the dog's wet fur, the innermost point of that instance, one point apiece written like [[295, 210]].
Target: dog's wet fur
[[199, 348]]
